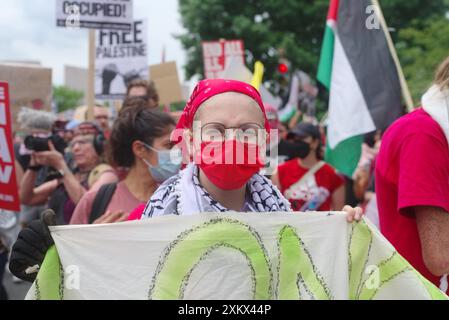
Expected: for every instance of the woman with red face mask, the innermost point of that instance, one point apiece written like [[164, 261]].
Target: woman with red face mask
[[223, 133]]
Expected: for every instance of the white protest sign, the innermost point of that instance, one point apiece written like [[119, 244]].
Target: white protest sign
[[94, 14], [220, 55], [120, 57], [314, 255]]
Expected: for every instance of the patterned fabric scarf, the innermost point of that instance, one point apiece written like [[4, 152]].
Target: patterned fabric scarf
[[183, 194]]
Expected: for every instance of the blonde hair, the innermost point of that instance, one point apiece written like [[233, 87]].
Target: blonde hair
[[442, 75]]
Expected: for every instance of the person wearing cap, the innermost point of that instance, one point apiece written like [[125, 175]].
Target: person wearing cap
[[69, 130], [306, 181]]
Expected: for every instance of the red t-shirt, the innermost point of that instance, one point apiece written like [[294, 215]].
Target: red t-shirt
[[137, 213], [314, 194], [412, 170]]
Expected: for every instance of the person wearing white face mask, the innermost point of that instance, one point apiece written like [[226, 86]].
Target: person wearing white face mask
[[140, 141], [169, 163]]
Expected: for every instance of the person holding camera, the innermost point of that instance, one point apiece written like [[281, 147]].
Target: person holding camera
[[37, 124], [63, 192]]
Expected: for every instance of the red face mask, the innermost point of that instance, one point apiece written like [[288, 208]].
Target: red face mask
[[229, 164]]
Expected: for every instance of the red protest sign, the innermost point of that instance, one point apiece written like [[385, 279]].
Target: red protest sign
[[9, 194], [217, 55]]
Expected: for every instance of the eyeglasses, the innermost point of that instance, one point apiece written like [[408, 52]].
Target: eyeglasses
[[102, 117], [248, 132], [81, 142]]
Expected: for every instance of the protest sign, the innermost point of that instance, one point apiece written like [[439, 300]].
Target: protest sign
[[95, 14], [218, 55], [166, 79], [314, 255], [120, 57], [29, 86], [75, 78], [9, 195]]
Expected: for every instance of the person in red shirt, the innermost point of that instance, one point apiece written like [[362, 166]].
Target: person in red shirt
[[412, 184], [306, 181]]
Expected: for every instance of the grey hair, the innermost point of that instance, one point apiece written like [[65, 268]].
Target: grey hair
[[35, 119]]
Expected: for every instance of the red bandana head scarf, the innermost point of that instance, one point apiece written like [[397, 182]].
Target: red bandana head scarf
[[208, 88], [226, 176]]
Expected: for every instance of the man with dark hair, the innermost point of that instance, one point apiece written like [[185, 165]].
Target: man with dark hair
[[144, 89]]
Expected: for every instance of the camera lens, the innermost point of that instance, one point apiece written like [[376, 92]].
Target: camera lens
[[36, 143]]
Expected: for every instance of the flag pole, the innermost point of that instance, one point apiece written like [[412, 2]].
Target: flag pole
[[91, 77], [405, 89]]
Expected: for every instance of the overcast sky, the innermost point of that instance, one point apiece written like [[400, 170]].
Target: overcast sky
[[28, 32]]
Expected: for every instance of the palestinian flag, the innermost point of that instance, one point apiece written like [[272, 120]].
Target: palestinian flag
[[358, 69]]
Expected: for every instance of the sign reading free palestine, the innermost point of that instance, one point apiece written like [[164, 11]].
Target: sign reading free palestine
[[120, 57], [314, 255]]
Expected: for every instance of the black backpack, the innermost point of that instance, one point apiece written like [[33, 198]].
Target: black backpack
[[101, 201]]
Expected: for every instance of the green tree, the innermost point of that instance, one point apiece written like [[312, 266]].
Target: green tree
[[66, 98], [294, 25], [421, 49]]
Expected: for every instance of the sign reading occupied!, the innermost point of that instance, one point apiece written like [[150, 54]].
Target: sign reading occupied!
[[9, 197], [120, 57], [95, 14], [218, 55]]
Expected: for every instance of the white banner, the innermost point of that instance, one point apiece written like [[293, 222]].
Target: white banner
[[228, 256], [95, 14], [121, 56]]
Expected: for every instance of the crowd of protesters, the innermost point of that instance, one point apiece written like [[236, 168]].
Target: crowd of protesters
[[106, 171]]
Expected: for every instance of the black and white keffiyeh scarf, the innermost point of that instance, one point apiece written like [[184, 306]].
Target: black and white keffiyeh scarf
[[184, 195]]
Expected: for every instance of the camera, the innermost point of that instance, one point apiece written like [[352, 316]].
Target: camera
[[39, 144]]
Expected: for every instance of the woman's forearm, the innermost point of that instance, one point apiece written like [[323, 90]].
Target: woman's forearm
[[27, 187], [73, 187]]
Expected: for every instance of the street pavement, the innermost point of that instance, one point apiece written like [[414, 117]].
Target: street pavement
[[16, 290]]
